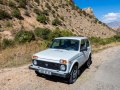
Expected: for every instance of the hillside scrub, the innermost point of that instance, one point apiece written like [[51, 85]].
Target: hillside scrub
[[24, 36], [42, 32]]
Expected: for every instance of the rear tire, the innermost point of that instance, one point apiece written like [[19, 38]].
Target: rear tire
[[89, 62], [73, 75]]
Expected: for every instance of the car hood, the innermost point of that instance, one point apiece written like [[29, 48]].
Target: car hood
[[56, 54]]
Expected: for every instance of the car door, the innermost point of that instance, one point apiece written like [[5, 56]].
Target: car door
[[88, 49], [82, 53]]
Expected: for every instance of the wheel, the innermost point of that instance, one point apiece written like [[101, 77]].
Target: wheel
[[89, 62], [73, 75], [37, 73]]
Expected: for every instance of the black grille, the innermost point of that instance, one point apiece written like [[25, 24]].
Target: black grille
[[49, 65]]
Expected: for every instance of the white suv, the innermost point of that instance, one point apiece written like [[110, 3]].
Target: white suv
[[63, 58]]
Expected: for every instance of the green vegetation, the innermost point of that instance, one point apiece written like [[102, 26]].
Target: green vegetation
[[9, 24], [7, 43], [42, 19], [22, 3], [56, 22], [59, 33], [16, 13], [12, 4], [42, 32], [24, 36], [100, 41], [4, 15]]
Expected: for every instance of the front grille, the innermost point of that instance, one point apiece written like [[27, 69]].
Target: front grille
[[49, 65]]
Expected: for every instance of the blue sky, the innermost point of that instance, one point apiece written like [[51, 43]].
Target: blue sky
[[105, 10]]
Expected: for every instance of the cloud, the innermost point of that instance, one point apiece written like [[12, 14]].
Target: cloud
[[110, 17]]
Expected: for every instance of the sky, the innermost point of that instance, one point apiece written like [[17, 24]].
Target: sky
[[105, 10]]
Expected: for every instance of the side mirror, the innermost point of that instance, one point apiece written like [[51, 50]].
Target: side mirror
[[83, 49]]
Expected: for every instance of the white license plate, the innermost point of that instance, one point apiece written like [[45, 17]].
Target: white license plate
[[45, 72]]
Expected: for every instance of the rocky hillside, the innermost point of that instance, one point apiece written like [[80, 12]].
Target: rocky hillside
[[30, 14]]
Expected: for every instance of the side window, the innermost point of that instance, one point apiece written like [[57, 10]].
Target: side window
[[87, 43], [83, 45]]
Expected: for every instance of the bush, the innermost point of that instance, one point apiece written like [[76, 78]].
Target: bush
[[42, 19], [4, 15], [45, 12], [27, 13], [22, 3], [59, 33], [24, 36], [37, 11], [56, 22], [7, 43], [42, 32], [48, 6], [12, 4], [16, 13], [104, 41]]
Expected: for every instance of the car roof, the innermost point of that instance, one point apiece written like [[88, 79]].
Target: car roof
[[75, 38]]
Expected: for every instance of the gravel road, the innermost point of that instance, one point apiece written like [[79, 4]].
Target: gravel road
[[104, 74]]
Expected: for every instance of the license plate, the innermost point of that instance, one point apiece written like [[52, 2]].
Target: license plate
[[45, 72]]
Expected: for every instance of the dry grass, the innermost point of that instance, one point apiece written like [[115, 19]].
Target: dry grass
[[20, 54], [102, 47]]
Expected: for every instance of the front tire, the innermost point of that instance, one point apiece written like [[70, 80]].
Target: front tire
[[37, 73], [73, 75]]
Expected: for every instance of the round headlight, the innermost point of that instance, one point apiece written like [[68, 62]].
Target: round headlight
[[62, 67], [34, 62]]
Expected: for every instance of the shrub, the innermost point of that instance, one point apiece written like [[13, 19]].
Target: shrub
[[27, 13], [4, 15], [59, 33], [12, 4], [62, 18], [22, 3], [24, 36], [42, 32], [56, 22], [45, 12], [16, 13], [42, 19], [7, 43], [48, 6], [37, 11], [9, 24]]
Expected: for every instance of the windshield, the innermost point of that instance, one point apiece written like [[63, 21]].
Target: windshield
[[66, 44]]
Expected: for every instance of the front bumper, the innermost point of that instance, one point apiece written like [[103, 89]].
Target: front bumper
[[53, 72]]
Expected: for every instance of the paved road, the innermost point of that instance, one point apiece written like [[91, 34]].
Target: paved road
[[104, 74]]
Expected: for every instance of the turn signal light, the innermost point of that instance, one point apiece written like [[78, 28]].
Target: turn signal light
[[34, 57]]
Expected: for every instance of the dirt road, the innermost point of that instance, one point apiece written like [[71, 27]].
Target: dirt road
[[104, 74]]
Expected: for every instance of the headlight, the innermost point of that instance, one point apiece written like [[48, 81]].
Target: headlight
[[63, 61], [34, 62], [62, 67]]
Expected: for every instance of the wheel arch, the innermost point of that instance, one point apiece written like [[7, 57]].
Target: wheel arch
[[73, 64]]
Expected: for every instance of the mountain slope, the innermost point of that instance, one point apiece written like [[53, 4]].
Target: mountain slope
[[29, 14]]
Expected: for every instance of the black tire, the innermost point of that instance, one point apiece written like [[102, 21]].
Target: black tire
[[37, 73], [73, 75], [89, 62]]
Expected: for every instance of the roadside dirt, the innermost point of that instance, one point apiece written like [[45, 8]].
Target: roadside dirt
[[22, 78]]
